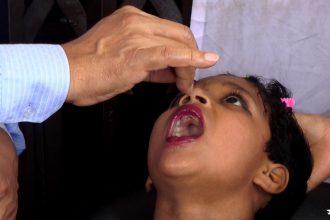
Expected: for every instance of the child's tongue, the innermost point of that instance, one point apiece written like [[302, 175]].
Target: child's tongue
[[186, 126]]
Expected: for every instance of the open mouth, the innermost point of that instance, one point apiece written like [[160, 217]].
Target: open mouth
[[187, 124]]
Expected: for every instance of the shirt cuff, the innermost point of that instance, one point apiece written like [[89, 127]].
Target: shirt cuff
[[16, 136], [34, 81]]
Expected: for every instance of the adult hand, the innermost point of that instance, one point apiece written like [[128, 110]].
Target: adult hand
[[128, 47], [8, 177], [317, 131]]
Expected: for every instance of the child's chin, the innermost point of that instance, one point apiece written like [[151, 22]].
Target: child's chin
[[177, 165]]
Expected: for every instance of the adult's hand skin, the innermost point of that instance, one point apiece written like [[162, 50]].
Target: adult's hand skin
[[8, 177], [128, 47], [317, 130]]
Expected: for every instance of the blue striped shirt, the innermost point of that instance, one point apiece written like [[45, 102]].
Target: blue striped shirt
[[16, 135], [34, 83]]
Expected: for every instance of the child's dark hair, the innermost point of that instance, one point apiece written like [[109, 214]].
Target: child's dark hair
[[286, 146]]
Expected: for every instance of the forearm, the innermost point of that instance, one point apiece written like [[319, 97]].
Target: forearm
[[34, 82], [8, 156], [317, 131], [8, 177], [315, 127]]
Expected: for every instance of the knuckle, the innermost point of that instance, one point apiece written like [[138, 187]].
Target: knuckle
[[134, 36], [131, 19], [187, 33], [165, 52], [101, 45], [4, 187], [127, 9], [187, 30], [191, 55]]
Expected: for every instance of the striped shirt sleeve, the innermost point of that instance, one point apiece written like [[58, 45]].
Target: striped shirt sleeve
[[16, 136], [34, 81]]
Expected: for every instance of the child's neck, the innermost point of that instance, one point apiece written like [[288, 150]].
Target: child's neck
[[191, 207]]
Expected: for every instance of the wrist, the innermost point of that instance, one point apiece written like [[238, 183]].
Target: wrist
[[71, 95]]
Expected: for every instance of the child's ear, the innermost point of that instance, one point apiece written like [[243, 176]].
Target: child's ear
[[272, 178], [149, 185]]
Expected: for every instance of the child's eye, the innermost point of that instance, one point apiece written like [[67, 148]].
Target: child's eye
[[234, 100]]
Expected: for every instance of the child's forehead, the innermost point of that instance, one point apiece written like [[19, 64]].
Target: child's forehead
[[215, 83], [228, 80]]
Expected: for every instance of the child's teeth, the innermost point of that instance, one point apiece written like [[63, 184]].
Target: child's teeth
[[177, 134], [177, 130]]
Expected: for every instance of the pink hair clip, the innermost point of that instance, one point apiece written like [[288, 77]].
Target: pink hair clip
[[289, 102]]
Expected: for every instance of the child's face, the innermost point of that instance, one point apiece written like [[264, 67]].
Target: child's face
[[214, 137]]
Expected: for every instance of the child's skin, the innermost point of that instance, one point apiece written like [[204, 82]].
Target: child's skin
[[215, 165]]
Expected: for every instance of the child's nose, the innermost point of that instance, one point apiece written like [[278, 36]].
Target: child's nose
[[196, 96]]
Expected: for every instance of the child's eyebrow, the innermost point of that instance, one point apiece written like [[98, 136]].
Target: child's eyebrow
[[241, 89], [236, 86]]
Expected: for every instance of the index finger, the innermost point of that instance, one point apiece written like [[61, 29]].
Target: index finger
[[160, 57], [185, 60], [185, 78]]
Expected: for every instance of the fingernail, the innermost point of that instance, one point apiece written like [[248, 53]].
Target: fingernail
[[211, 57]]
